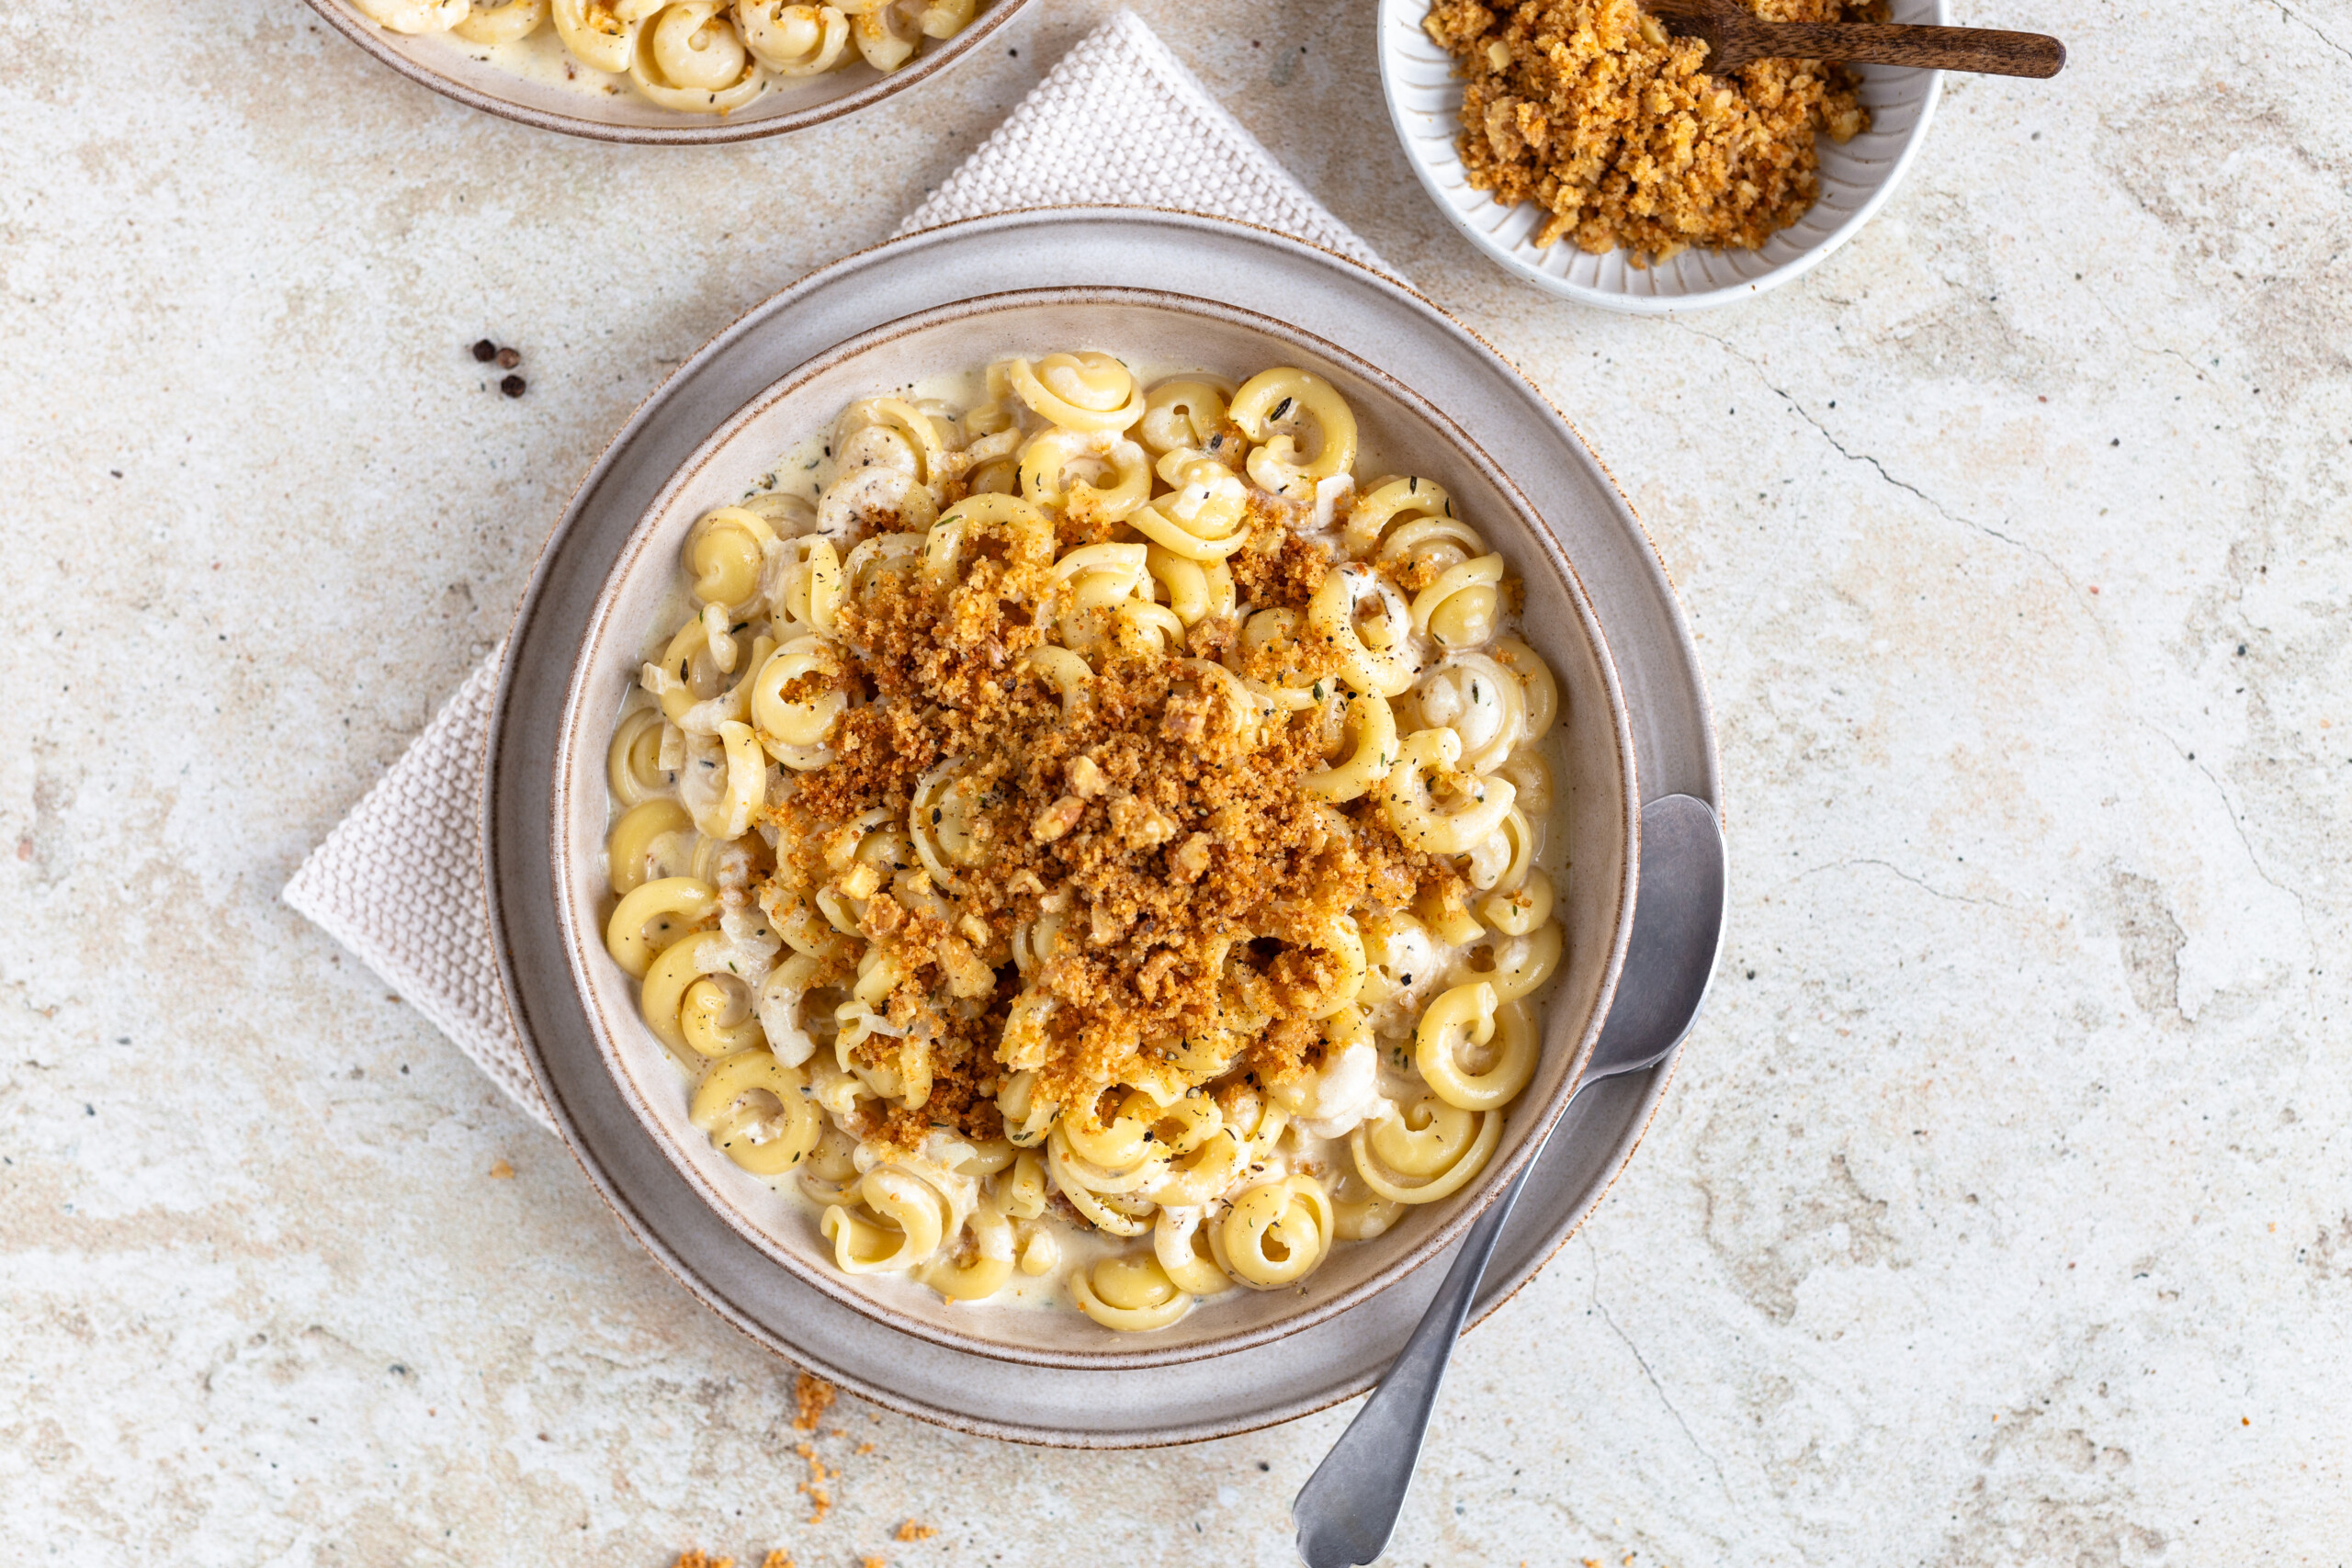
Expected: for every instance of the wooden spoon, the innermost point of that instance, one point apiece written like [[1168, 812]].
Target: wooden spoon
[[1735, 35]]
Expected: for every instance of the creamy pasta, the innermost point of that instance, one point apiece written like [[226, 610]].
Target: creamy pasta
[[1075, 835], [695, 56]]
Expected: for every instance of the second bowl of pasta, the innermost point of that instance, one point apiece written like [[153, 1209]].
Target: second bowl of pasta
[[1094, 827], [667, 71]]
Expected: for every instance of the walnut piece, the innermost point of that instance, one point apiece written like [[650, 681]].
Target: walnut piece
[[1084, 778], [1057, 819], [1192, 859], [1139, 824]]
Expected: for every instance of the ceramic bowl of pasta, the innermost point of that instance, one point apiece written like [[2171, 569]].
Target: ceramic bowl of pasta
[[1095, 827], [670, 71]]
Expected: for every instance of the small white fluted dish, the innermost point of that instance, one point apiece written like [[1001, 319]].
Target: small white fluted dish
[[1425, 104], [519, 81]]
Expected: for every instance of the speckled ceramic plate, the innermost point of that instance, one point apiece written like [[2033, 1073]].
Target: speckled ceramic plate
[[1359, 318], [1425, 104], [524, 82]]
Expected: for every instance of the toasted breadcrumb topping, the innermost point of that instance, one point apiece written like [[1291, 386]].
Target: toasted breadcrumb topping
[[1592, 110], [1159, 819]]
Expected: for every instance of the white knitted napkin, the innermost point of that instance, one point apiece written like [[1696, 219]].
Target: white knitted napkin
[[1153, 138], [400, 880]]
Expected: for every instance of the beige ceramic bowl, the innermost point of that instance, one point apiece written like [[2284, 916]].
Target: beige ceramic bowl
[[1599, 807], [481, 78]]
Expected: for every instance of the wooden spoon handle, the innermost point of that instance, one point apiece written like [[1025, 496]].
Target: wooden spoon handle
[[1986, 49]]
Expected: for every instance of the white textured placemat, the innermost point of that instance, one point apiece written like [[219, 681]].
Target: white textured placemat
[[400, 881]]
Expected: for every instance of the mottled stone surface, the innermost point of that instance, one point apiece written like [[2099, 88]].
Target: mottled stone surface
[[2000, 1214]]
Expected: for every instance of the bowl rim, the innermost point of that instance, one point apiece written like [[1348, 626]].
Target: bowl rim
[[701, 130], [1629, 304], [577, 732]]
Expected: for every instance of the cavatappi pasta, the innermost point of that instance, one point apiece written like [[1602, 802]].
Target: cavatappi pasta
[[695, 56], [1084, 837]]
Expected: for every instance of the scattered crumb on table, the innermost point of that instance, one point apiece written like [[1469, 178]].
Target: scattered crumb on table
[[821, 1495], [813, 1396]]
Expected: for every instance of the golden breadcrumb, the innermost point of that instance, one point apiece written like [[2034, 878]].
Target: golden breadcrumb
[[820, 1493], [814, 1396], [910, 1530], [1590, 109], [1156, 817]]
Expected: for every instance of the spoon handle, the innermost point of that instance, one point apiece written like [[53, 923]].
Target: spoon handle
[[1986, 50], [1349, 1507]]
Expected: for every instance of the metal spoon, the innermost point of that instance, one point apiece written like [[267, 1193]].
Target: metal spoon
[[1349, 1507]]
